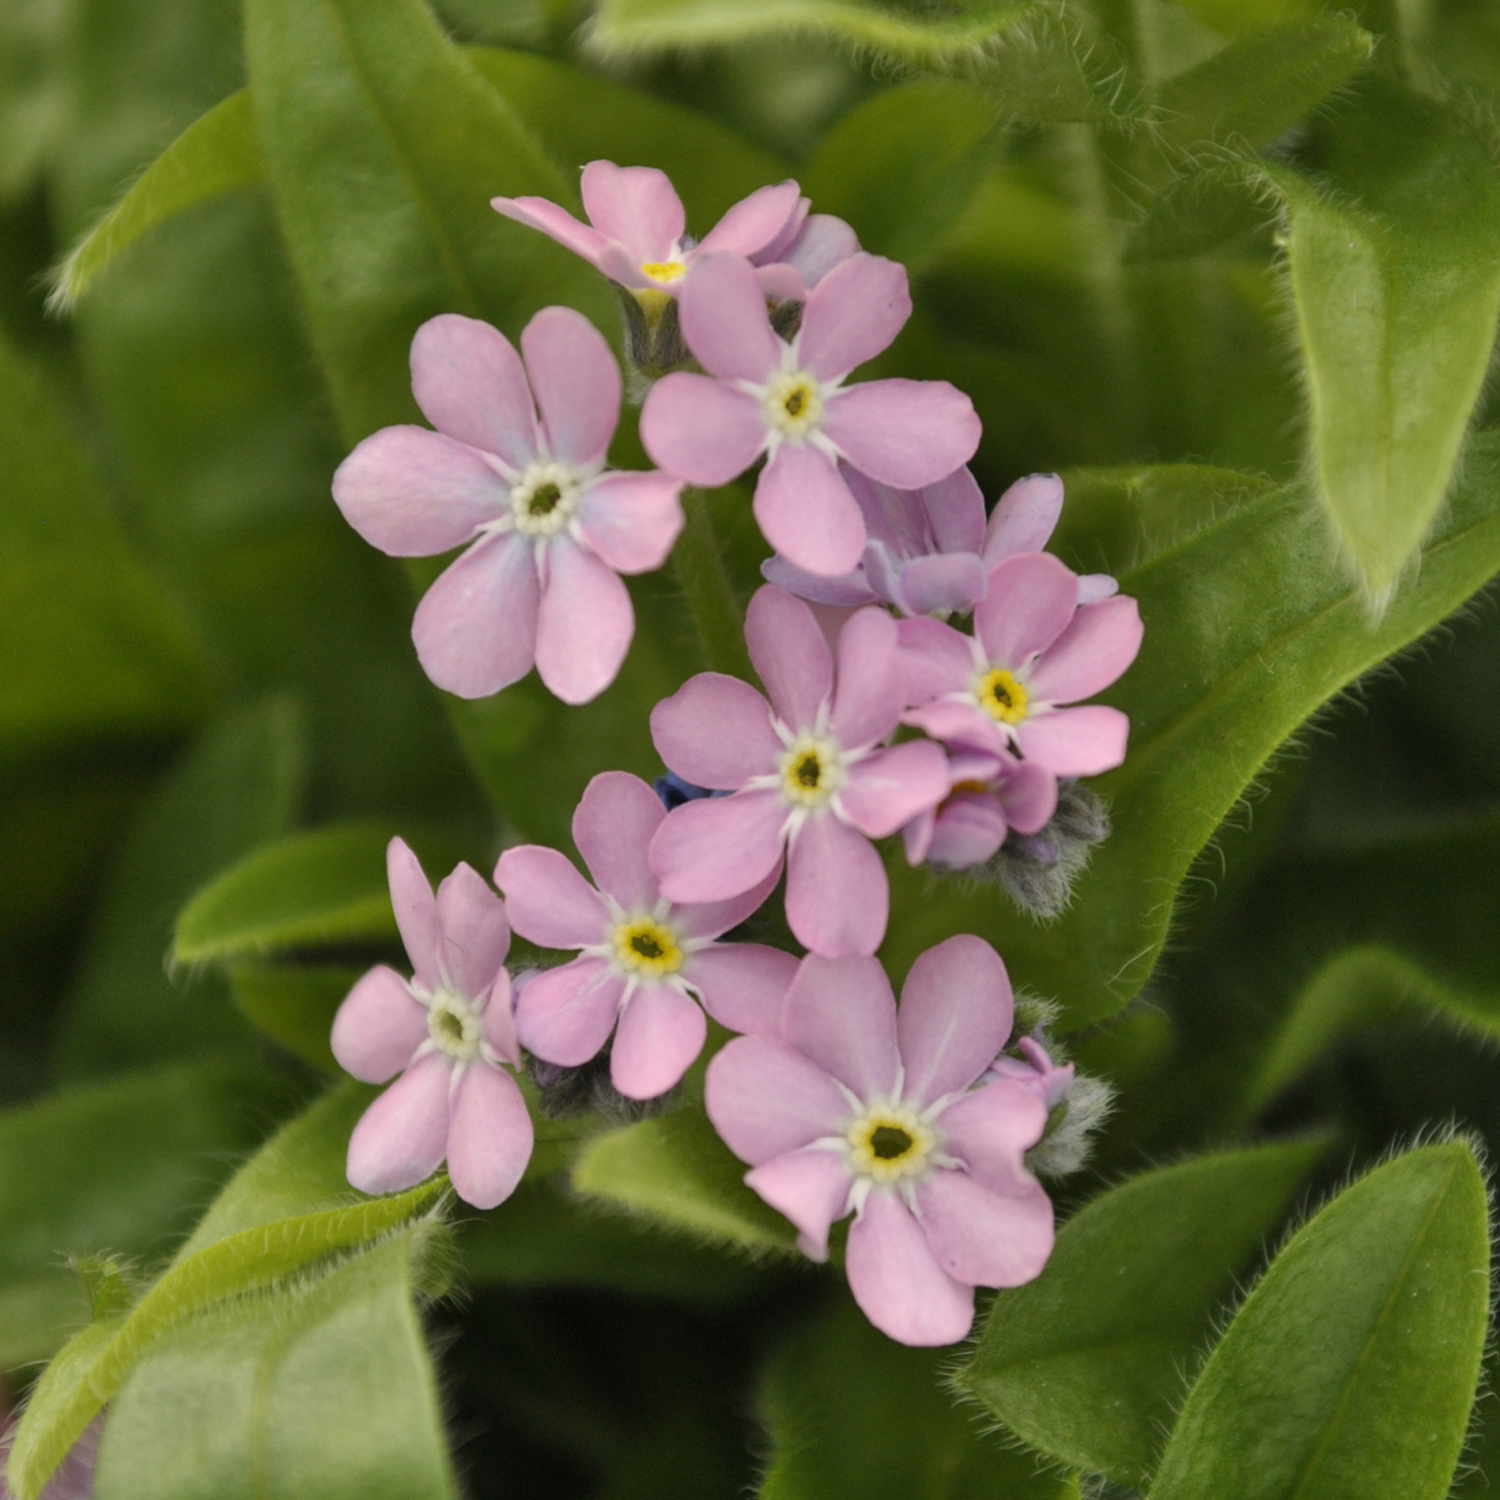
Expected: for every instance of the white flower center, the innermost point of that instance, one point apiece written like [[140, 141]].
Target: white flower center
[[454, 1026], [545, 497], [645, 948], [889, 1143], [792, 404], [812, 770]]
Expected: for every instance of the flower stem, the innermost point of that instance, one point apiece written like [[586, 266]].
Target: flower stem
[[710, 595]]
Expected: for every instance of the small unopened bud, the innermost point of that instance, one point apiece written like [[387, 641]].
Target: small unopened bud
[[567, 1093], [786, 318], [1037, 870]]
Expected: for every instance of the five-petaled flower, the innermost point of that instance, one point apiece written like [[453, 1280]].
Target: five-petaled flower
[[644, 960], [449, 1028], [1034, 650], [856, 1108], [807, 771], [549, 528], [788, 400]]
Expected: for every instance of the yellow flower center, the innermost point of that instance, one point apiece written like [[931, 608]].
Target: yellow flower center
[[889, 1142], [811, 771], [666, 271], [454, 1026], [646, 948], [1001, 696], [793, 405]]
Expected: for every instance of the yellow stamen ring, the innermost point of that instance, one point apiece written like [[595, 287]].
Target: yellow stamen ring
[[646, 948], [664, 270], [889, 1143], [1001, 696], [811, 771]]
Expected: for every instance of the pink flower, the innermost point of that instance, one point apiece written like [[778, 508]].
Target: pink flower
[[446, 1031], [1034, 651], [806, 771], [1034, 1070], [792, 265], [856, 1108], [645, 963], [989, 794], [550, 528], [788, 400], [636, 230]]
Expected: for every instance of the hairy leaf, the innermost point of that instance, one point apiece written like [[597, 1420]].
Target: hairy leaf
[[1351, 1367], [1087, 1362], [1249, 630]]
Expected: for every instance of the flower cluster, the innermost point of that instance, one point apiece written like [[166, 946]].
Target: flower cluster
[[879, 716]]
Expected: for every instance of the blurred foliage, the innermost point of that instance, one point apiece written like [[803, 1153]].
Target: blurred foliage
[[1231, 264]]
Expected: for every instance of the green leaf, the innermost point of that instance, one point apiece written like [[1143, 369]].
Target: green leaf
[[1086, 1362], [253, 1238], [94, 645], [904, 165], [114, 1167], [383, 146], [1262, 85], [294, 1006], [218, 153], [1199, 210], [1236, 17], [33, 89], [1249, 630], [240, 784], [1396, 280], [675, 1171], [855, 1416], [309, 889], [321, 1387], [1351, 1367]]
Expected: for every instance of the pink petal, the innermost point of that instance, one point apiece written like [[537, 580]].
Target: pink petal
[[811, 1187], [790, 655], [916, 837], [935, 659], [822, 243], [1028, 795], [701, 430], [841, 1013], [707, 919], [718, 847], [956, 1013], [968, 830], [1091, 653], [576, 383], [660, 1035], [940, 585], [785, 236], [416, 912], [893, 786], [566, 1015], [854, 312], [1076, 741], [548, 902], [470, 384], [1031, 600], [475, 629], [963, 723], [723, 315], [638, 206], [1092, 587], [742, 984], [584, 623], [765, 1098], [981, 1237], [499, 1020], [843, 591], [378, 1027], [992, 1129], [1025, 516], [867, 702], [715, 731], [612, 826], [632, 520], [955, 510], [401, 1137], [903, 432], [837, 895], [557, 223], [476, 936], [806, 512], [754, 222], [413, 493], [898, 1284], [489, 1137]]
